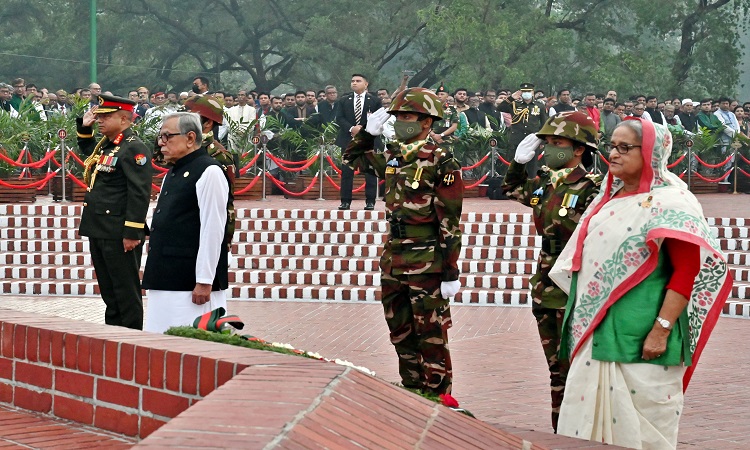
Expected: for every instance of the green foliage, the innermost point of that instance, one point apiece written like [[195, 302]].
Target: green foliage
[[231, 339], [632, 47]]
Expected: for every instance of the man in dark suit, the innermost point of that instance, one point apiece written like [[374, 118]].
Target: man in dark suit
[[327, 108], [118, 174], [351, 117]]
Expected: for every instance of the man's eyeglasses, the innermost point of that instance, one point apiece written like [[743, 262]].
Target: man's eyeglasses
[[164, 137], [621, 148]]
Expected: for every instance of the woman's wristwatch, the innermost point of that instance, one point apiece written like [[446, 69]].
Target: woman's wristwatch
[[667, 325]]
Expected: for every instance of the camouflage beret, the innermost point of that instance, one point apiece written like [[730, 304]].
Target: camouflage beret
[[206, 106], [417, 100], [574, 125]]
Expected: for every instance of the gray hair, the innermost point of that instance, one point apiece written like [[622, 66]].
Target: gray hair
[[187, 122], [634, 125]]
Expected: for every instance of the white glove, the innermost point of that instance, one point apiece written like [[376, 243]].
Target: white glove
[[527, 149], [449, 288], [375, 122], [267, 133]]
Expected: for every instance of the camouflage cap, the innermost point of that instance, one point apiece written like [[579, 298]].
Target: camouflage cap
[[417, 100], [206, 106], [573, 125]]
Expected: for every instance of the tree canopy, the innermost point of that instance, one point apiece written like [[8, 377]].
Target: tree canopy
[[666, 48]]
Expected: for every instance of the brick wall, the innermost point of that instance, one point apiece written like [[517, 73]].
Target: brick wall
[[115, 379]]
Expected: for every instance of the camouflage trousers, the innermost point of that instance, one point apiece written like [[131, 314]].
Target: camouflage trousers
[[549, 322], [418, 319]]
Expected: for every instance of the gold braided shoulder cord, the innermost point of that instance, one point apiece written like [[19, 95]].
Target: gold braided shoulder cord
[[88, 177], [522, 114]]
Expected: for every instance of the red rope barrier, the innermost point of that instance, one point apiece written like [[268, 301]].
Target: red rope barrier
[[679, 160], [743, 172], [78, 160], [682, 175], [247, 167], [158, 169], [713, 166], [333, 165], [77, 181], [477, 164], [308, 163], [280, 161], [503, 160], [248, 187], [37, 183], [713, 180], [480, 181], [34, 165], [603, 159], [330, 180], [747, 161], [280, 185]]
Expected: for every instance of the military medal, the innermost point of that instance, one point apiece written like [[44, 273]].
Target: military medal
[[569, 201], [417, 176]]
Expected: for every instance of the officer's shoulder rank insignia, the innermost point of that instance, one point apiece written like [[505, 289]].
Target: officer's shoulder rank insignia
[[118, 139], [130, 139], [141, 159], [536, 195], [449, 179]]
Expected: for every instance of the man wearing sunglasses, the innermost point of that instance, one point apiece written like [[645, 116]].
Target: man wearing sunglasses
[[117, 173]]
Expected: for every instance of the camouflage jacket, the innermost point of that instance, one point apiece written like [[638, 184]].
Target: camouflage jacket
[[554, 221], [450, 117], [423, 197], [225, 158]]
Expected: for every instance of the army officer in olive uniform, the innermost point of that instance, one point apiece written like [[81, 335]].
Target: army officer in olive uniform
[[527, 116], [118, 174]]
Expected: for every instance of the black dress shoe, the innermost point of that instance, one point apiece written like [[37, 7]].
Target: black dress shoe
[[369, 206], [344, 205]]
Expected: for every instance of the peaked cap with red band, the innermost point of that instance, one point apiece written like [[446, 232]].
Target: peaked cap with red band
[[110, 103]]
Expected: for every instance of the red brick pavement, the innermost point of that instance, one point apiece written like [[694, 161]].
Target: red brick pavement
[[24, 430], [500, 372]]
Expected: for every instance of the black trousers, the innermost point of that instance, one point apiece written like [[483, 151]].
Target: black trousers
[[117, 273], [347, 182]]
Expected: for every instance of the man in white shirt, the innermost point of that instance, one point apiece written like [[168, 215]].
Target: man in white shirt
[[239, 118]]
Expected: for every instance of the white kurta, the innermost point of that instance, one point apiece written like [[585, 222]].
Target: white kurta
[[175, 308]]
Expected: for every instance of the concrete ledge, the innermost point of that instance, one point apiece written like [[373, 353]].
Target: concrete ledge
[[171, 392]]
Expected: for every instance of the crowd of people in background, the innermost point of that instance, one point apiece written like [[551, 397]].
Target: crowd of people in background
[[317, 107]]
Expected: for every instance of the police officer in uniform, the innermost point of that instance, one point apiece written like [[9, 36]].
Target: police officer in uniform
[[419, 270], [527, 116], [212, 113], [558, 196], [118, 174]]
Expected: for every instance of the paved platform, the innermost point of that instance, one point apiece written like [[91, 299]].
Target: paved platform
[[23, 430], [500, 372]]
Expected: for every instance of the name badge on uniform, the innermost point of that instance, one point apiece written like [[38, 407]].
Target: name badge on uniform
[[390, 170], [536, 195]]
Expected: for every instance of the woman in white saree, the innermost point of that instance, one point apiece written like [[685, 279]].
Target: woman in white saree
[[646, 283]]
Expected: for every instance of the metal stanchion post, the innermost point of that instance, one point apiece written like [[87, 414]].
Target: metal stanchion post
[[49, 167], [689, 144], [736, 146], [264, 141], [62, 134], [321, 172]]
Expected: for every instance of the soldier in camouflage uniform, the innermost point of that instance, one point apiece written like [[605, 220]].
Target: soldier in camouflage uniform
[[527, 116], [212, 113], [423, 196], [558, 196], [443, 130]]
